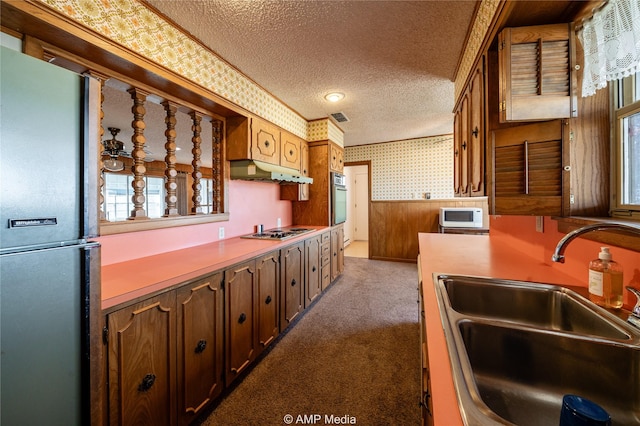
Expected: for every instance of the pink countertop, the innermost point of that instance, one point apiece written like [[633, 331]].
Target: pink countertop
[[478, 255], [126, 281]]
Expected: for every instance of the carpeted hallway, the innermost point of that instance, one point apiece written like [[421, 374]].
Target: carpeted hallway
[[354, 353]]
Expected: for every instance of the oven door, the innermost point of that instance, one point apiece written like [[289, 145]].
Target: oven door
[[338, 205]]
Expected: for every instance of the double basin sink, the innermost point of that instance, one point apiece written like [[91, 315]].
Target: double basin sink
[[517, 347]]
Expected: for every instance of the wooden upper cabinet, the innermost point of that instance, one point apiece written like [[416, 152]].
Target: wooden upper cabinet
[[290, 152], [457, 142], [536, 78], [337, 158], [476, 172], [530, 176], [299, 192], [265, 142], [469, 140], [463, 154], [253, 139]]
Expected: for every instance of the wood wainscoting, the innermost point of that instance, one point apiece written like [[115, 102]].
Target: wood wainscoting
[[394, 225]]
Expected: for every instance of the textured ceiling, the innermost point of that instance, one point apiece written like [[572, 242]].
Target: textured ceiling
[[394, 60]]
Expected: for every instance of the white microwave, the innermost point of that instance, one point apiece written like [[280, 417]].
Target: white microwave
[[461, 217]]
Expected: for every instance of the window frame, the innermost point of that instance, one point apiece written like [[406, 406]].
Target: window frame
[[128, 177], [625, 103]]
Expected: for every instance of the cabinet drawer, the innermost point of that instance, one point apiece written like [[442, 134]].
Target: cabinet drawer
[[326, 277], [326, 259], [325, 238]]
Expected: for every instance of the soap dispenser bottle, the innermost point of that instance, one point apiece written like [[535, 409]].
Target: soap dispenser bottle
[[605, 280]]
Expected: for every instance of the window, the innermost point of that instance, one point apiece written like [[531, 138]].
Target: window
[[118, 192], [207, 195], [626, 152]]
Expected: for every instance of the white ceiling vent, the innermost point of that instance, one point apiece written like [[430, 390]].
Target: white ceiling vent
[[339, 117]]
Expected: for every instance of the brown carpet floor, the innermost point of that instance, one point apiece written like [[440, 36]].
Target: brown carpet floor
[[354, 353]]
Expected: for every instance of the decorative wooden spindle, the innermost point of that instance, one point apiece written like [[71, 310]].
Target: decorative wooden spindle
[[216, 163], [196, 174], [170, 172], [138, 169]]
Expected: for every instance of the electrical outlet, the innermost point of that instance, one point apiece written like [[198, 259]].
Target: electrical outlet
[[278, 223], [221, 232]]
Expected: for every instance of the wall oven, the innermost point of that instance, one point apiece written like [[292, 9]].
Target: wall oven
[[338, 198]]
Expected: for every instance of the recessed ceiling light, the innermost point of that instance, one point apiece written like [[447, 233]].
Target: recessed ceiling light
[[334, 96]]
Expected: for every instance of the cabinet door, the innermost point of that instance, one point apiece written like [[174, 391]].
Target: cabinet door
[[292, 284], [337, 252], [268, 277], [290, 151], [242, 337], [464, 146], [265, 142], [425, 398], [529, 175], [457, 147], [303, 189], [200, 345], [536, 79], [476, 132], [336, 160], [313, 281], [325, 260], [142, 363], [299, 192]]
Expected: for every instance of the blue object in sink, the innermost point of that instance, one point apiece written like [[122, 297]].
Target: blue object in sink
[[578, 411]]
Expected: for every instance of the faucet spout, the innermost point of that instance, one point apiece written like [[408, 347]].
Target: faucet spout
[[558, 255], [634, 317]]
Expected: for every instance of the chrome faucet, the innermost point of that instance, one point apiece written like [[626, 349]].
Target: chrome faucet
[[558, 256], [634, 318]]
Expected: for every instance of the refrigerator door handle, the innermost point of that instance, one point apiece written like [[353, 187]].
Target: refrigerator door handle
[[48, 247]]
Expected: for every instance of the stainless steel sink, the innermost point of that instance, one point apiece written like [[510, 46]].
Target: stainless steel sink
[[548, 306], [517, 347]]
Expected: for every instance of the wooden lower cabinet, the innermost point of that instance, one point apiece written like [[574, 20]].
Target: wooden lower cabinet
[[312, 269], [337, 251], [200, 308], [292, 283], [325, 260], [268, 287], [141, 362], [426, 403], [241, 318], [171, 355]]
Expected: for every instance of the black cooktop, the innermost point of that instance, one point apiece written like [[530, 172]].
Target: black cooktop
[[278, 234]]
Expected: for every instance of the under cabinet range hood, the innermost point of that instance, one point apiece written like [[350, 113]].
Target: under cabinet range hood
[[265, 172]]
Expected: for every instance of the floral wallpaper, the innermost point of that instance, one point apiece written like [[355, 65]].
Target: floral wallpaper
[[405, 170], [132, 25], [486, 11]]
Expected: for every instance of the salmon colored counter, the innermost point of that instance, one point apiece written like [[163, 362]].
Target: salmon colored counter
[[478, 255], [126, 281]]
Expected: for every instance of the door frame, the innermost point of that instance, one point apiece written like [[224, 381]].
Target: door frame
[[368, 164]]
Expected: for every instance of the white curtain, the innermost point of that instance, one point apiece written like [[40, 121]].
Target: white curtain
[[611, 41]]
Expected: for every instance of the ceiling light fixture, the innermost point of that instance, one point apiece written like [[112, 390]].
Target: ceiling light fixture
[[334, 96], [113, 148]]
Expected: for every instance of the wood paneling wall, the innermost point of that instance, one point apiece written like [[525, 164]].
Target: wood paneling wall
[[394, 225]]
